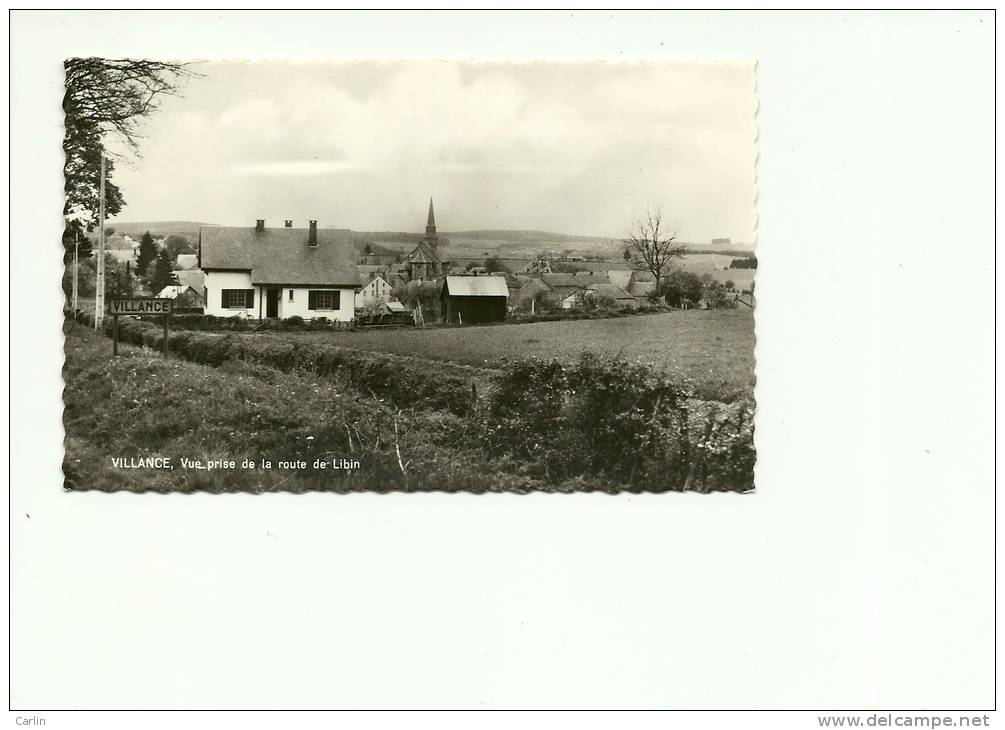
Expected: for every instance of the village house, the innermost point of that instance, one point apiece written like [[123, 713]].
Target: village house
[[186, 299], [473, 299], [377, 290], [193, 278], [262, 273]]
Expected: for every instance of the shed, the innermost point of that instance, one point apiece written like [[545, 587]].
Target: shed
[[473, 299]]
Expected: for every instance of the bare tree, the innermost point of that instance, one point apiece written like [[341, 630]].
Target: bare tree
[[115, 94], [105, 96], [654, 245]]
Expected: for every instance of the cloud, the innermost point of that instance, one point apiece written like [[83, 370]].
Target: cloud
[[574, 148], [303, 168]]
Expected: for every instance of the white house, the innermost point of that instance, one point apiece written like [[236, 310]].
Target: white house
[[377, 290], [266, 273]]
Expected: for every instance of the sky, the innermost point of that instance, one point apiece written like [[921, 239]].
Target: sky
[[568, 148]]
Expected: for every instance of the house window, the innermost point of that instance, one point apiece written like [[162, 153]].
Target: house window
[[323, 300], [291, 295], [238, 298]]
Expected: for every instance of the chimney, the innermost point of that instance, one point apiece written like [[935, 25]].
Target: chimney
[[312, 235], [260, 225], [288, 224]]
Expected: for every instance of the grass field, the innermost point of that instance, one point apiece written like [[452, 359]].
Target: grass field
[[711, 352], [593, 426]]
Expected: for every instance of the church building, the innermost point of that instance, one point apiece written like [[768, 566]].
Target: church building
[[423, 263]]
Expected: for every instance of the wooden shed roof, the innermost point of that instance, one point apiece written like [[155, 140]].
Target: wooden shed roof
[[476, 286]]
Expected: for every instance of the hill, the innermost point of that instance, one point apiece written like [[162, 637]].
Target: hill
[[522, 236], [189, 229]]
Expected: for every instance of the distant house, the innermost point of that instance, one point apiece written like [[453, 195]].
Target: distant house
[[617, 295], [377, 290], [185, 297], [186, 261], [620, 277], [513, 284], [193, 278], [473, 299], [621, 298], [264, 272], [538, 266], [641, 285]]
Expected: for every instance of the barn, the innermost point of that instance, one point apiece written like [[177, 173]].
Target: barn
[[473, 299]]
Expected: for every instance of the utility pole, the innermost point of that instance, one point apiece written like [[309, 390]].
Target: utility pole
[[99, 289], [76, 271]]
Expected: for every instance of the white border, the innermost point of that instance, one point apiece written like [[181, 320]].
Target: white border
[[859, 575]]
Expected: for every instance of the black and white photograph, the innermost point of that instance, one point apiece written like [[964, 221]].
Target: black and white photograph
[[382, 369], [409, 276]]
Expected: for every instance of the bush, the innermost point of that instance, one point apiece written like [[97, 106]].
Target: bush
[[606, 416]]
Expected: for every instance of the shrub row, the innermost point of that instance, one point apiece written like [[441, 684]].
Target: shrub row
[[402, 381], [212, 323]]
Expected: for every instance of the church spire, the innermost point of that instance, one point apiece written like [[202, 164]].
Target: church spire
[[430, 221]]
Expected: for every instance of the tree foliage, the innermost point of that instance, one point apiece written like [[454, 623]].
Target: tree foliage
[[162, 274], [145, 254], [654, 245], [105, 97], [681, 288], [175, 245], [494, 263]]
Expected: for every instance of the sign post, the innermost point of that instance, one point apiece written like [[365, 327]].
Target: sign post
[[139, 307]]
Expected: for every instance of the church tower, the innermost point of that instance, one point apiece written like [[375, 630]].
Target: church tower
[[424, 263], [431, 238]]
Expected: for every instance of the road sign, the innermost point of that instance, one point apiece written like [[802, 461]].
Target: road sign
[[140, 306]]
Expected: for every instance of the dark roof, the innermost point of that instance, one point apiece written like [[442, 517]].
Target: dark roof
[[612, 290], [281, 255], [191, 277], [576, 280], [422, 254], [641, 288]]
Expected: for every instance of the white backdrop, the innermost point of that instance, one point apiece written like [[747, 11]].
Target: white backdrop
[[859, 575]]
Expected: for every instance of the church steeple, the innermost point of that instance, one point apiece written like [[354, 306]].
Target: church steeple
[[431, 221]]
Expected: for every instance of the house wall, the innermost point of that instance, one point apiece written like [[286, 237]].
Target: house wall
[[217, 281], [298, 307], [376, 290]]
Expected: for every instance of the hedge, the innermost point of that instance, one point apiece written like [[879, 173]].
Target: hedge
[[402, 381]]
